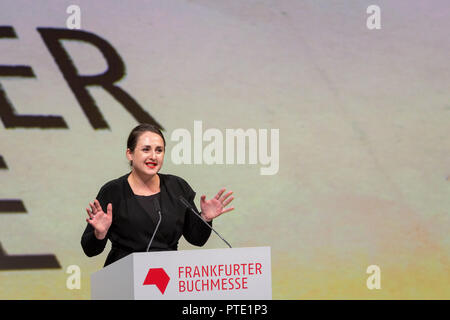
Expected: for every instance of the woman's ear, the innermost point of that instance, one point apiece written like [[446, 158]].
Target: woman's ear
[[129, 154]]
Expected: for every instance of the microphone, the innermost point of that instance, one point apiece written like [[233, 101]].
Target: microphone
[[158, 209], [188, 205]]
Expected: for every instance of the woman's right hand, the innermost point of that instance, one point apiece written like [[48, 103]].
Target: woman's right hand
[[98, 219]]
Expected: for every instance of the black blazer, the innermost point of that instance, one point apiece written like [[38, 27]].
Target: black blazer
[[132, 226]]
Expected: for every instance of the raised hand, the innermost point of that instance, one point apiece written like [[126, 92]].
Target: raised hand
[[216, 206], [98, 219]]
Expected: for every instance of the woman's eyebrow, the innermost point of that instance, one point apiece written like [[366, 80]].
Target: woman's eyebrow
[[149, 146]]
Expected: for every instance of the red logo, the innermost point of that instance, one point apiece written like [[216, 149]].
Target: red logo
[[158, 277]]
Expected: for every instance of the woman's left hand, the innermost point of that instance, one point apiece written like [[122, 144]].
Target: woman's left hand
[[216, 206]]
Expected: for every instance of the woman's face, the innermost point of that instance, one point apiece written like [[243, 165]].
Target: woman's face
[[148, 156]]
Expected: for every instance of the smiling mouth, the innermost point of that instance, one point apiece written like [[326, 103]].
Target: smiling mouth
[[151, 164]]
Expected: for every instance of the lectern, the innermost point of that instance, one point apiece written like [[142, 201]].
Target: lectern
[[238, 273]]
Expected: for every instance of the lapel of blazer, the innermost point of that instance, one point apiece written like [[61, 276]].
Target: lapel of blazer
[[165, 197]]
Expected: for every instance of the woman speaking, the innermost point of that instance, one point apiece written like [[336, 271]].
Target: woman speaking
[[127, 210]]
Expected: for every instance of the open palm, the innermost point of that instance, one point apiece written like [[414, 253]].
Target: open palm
[[216, 206], [98, 219]]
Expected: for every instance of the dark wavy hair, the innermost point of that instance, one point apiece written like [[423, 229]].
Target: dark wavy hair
[[138, 131]]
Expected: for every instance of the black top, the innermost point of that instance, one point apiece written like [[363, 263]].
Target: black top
[[149, 203], [133, 226]]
